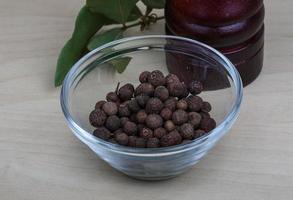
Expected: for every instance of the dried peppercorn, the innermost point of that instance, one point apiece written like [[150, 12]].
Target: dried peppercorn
[[143, 77], [126, 92], [162, 93], [142, 100], [169, 126], [166, 113], [154, 121], [154, 105], [205, 115], [156, 78], [207, 124], [97, 117], [130, 128], [153, 143], [194, 118], [123, 120], [170, 139], [179, 117], [199, 133], [145, 88], [172, 78], [103, 133], [112, 96], [140, 143], [110, 108], [171, 103], [113, 123], [132, 141], [194, 103], [206, 107], [159, 132], [141, 116], [195, 87], [182, 104], [133, 105], [187, 131], [176, 89], [121, 138], [123, 110], [99, 104], [185, 91], [146, 133]]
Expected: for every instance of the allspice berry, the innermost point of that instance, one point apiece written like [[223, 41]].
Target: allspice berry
[[195, 87], [133, 105], [143, 77], [132, 141], [207, 124], [199, 133], [159, 132], [162, 93], [113, 123], [185, 91], [187, 131], [123, 120], [142, 100], [171, 103], [156, 78], [206, 107], [169, 126], [205, 115], [126, 92], [179, 117], [97, 117], [130, 128], [140, 143], [182, 104], [154, 105], [146, 133], [153, 143], [110, 108], [154, 121], [123, 110], [112, 96], [166, 113], [145, 88], [121, 138], [176, 89], [194, 118], [172, 78], [141, 116], [194, 103], [171, 139], [103, 133], [99, 104]]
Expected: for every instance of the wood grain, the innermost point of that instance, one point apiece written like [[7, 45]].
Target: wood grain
[[41, 159]]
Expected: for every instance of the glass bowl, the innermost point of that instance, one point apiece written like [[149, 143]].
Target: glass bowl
[[93, 76]]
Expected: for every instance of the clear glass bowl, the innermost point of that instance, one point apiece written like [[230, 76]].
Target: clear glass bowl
[[92, 77]]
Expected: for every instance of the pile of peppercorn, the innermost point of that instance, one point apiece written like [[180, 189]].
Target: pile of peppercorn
[[160, 112]]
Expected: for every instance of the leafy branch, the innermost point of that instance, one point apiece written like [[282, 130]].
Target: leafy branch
[[95, 15]]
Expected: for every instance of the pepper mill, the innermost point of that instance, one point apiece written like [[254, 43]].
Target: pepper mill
[[234, 27]]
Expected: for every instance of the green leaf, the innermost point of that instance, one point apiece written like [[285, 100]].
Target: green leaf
[[86, 25], [104, 38], [157, 4], [120, 64], [135, 14], [117, 10]]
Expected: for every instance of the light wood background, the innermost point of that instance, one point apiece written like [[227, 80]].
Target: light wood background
[[41, 159]]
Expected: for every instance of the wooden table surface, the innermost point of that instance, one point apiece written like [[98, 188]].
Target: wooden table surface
[[41, 159]]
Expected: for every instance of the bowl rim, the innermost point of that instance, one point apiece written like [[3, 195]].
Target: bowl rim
[[88, 138]]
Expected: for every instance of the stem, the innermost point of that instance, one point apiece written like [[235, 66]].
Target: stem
[[138, 23]]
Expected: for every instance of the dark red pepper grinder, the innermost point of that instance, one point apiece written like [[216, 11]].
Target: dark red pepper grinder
[[234, 27]]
